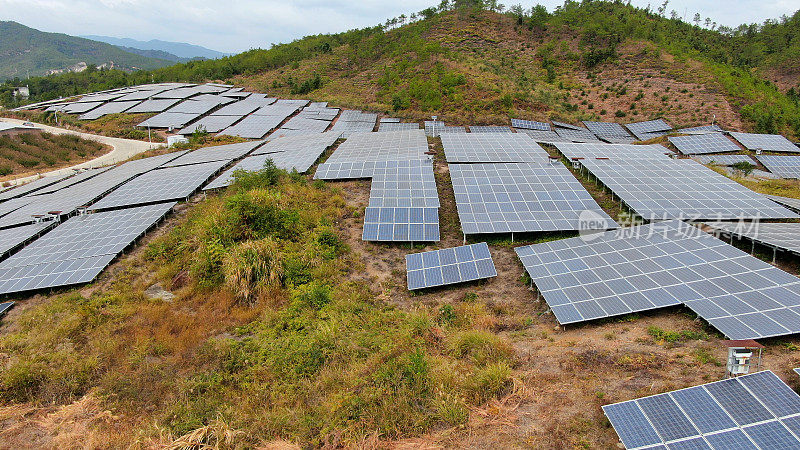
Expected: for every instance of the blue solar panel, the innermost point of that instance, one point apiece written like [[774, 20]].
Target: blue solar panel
[[401, 224], [449, 266]]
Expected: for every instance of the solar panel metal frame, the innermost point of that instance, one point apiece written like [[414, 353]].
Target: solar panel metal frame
[[791, 203], [492, 147], [12, 238], [664, 264], [784, 236], [530, 125], [767, 142], [701, 144], [709, 416], [161, 185], [401, 225], [660, 189], [449, 266], [522, 197]]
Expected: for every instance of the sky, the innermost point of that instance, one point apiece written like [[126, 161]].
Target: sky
[[237, 25]]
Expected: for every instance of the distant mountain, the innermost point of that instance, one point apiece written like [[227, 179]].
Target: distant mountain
[[179, 49], [158, 54], [25, 50]]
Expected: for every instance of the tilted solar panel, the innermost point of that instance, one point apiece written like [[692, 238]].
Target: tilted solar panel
[[767, 142], [698, 144], [449, 266], [401, 224], [492, 147]]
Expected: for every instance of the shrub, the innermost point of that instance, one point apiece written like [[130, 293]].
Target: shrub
[[481, 347], [251, 266], [489, 382], [313, 295]]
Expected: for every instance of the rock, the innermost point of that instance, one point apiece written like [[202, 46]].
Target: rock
[[156, 291]]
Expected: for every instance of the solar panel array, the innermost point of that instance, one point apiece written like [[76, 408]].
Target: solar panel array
[[254, 126], [31, 186], [649, 129], [12, 238], [613, 151], [547, 137], [77, 250], [785, 236], [492, 147], [664, 264], [723, 160], [785, 166], [394, 145], [577, 134], [153, 106], [169, 120], [404, 186], [767, 142], [288, 153], [608, 130], [193, 107], [401, 224], [530, 125], [433, 128], [755, 411], [108, 108], [699, 144], [526, 197], [449, 266], [658, 189], [67, 182], [490, 129], [169, 183], [210, 124], [396, 126], [701, 129], [80, 108], [792, 203], [304, 125], [216, 153]]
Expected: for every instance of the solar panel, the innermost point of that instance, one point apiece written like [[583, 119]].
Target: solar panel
[[358, 116], [169, 183], [649, 129], [240, 108], [153, 106], [614, 151], [100, 97], [449, 266], [193, 107], [784, 166], [567, 126], [142, 94], [785, 236], [390, 120], [767, 142], [618, 140], [277, 109], [703, 129], [216, 153], [314, 144], [547, 137], [11, 238], [492, 147], [77, 250], [401, 224], [169, 120], [530, 125], [108, 108], [658, 189], [348, 129], [434, 127], [31, 186], [396, 126], [751, 411], [527, 197], [254, 127], [792, 203], [212, 98], [723, 160], [67, 182], [490, 129], [307, 125], [317, 105], [403, 186], [698, 144], [394, 145], [577, 135], [210, 124], [4, 307], [361, 169], [80, 108], [664, 264], [607, 129]]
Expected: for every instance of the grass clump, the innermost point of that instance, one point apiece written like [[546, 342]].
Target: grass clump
[[666, 336]]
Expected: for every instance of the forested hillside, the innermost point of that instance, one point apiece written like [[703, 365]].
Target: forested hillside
[[468, 61], [24, 51]]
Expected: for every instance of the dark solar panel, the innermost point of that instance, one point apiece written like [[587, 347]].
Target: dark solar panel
[[449, 266]]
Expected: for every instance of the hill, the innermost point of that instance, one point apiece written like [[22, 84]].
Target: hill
[[590, 60], [156, 54], [179, 49], [25, 50]]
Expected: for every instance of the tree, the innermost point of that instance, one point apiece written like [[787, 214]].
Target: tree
[[662, 10], [708, 22], [696, 19]]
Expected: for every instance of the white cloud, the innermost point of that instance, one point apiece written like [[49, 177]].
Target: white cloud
[[238, 25]]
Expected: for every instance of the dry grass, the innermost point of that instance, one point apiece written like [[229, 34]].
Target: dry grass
[[32, 153]]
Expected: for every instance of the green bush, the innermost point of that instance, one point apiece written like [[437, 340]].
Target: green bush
[[489, 382]]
